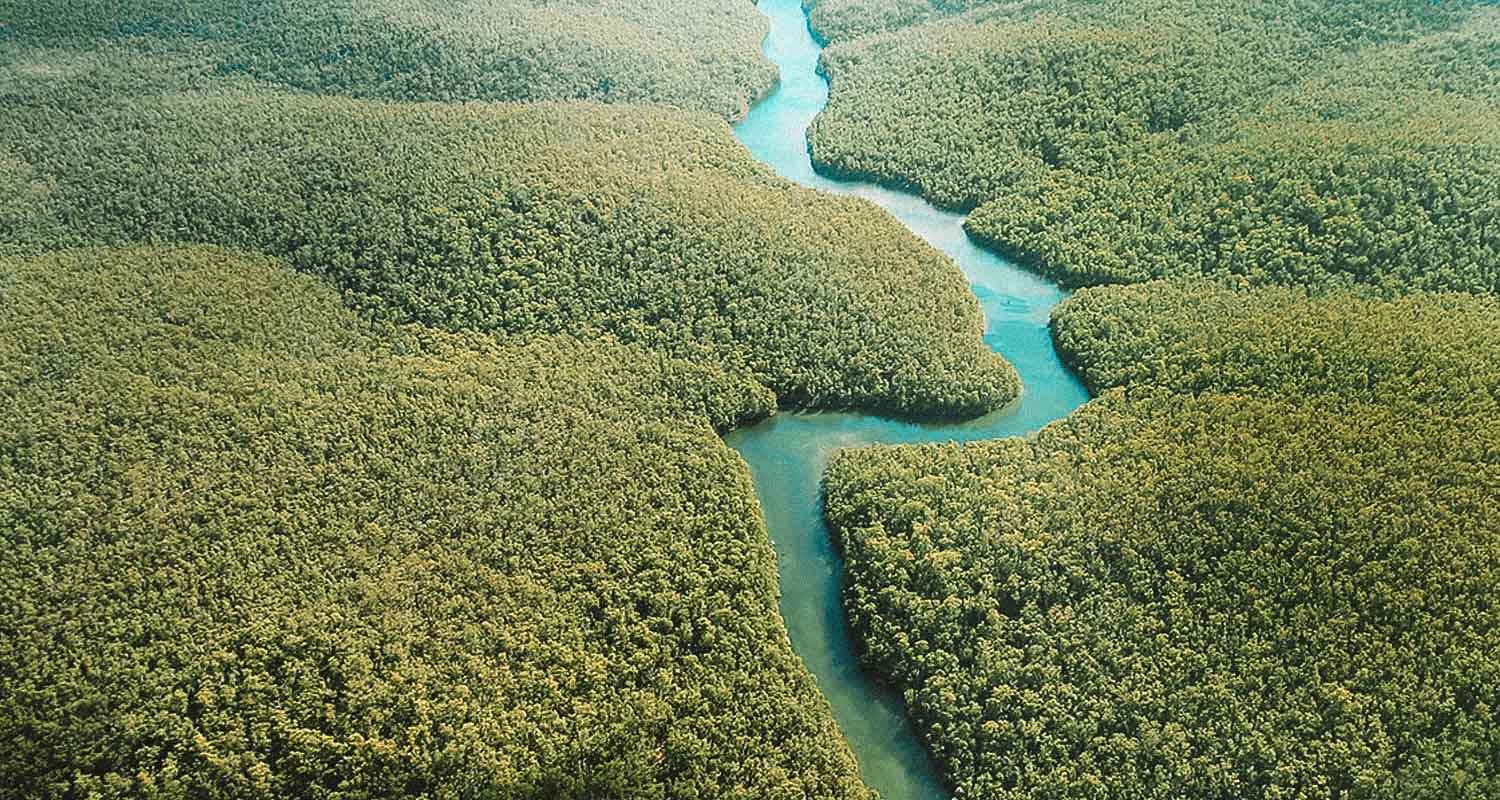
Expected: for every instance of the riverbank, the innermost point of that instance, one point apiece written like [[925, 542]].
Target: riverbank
[[788, 453]]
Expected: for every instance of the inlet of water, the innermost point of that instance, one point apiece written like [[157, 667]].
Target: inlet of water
[[787, 454]]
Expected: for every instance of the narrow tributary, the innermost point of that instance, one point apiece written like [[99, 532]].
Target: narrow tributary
[[787, 454]]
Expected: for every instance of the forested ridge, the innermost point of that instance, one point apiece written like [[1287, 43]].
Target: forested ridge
[[645, 224], [652, 226], [693, 54], [258, 547], [1262, 564], [1314, 144]]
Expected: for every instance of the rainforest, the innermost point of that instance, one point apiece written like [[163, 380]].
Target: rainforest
[[914, 399]]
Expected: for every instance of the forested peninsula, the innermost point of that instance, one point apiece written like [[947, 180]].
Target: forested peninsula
[[1262, 564], [1307, 144], [646, 225]]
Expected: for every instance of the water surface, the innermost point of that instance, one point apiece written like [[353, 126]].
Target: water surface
[[787, 453]]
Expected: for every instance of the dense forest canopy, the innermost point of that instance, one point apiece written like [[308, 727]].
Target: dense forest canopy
[[840, 20], [413, 488], [1312, 143], [1209, 597], [257, 547], [652, 226], [363, 363], [1261, 565], [1196, 337], [695, 54]]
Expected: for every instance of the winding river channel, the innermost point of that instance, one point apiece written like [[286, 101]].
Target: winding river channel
[[787, 454]]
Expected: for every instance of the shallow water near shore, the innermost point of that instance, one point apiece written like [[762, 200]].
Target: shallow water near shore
[[787, 454]]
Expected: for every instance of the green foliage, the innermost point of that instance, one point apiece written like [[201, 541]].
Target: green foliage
[[259, 545], [1208, 597], [1309, 144], [1196, 337], [695, 54], [1405, 202], [840, 20], [256, 548], [1261, 565], [651, 226]]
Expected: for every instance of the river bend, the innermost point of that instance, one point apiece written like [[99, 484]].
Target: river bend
[[787, 454]]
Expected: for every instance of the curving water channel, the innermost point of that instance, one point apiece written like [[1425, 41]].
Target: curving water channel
[[787, 454]]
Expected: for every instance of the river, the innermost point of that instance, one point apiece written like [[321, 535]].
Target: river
[[787, 454]]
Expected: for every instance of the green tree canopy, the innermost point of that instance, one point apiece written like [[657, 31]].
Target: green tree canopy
[[1314, 143], [695, 54], [1208, 597], [651, 226], [1260, 565], [256, 547]]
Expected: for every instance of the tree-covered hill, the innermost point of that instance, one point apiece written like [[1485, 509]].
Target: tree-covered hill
[[648, 225], [694, 54], [1217, 597], [255, 547], [1261, 565], [1306, 144]]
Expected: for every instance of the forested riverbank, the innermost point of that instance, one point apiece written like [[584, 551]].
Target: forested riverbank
[[1122, 142], [1261, 564], [258, 547], [685, 53], [410, 484], [646, 225]]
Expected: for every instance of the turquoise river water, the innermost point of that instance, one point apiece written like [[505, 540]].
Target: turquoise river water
[[787, 454]]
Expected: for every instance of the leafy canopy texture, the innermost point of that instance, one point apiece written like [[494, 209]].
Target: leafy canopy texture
[[1209, 597], [841, 20], [444, 515], [258, 548], [1194, 337], [695, 54], [651, 226], [1314, 143], [1261, 565]]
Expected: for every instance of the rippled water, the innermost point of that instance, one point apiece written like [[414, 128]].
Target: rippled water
[[787, 454]]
